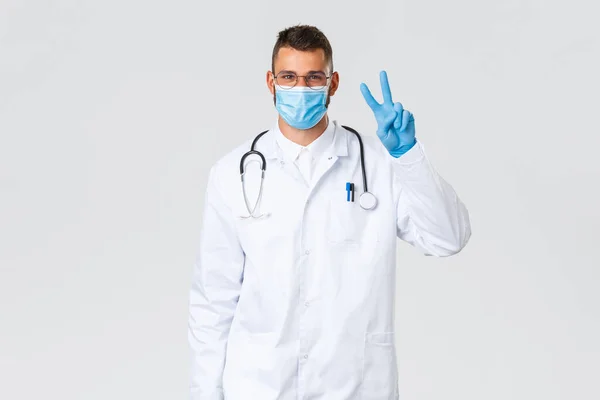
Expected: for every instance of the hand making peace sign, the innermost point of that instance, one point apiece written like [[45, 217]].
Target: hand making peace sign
[[395, 125]]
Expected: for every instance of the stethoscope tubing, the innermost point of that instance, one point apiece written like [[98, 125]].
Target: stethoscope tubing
[[263, 167]]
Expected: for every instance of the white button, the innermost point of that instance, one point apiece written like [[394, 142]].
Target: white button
[[307, 304], [307, 252], [305, 356]]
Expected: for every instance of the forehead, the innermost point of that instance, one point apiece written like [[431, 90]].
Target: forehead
[[300, 61]]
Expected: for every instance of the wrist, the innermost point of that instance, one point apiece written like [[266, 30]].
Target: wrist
[[402, 149]]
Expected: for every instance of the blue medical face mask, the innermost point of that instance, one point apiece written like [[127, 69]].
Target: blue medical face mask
[[300, 106]]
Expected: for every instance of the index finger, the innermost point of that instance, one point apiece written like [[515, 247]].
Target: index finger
[[385, 87], [368, 96]]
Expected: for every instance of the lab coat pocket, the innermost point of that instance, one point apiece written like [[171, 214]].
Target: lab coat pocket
[[380, 376], [252, 367], [348, 223]]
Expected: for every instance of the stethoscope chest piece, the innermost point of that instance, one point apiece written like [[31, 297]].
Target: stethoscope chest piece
[[367, 201]]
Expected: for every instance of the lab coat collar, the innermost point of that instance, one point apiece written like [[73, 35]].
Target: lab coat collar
[[271, 150], [316, 148]]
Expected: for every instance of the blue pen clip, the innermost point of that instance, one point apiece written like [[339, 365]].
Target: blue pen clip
[[349, 191]]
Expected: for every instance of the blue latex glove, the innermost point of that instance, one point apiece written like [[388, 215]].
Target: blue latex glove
[[395, 125]]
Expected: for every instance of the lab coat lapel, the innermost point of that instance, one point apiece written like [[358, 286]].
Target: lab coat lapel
[[339, 148]]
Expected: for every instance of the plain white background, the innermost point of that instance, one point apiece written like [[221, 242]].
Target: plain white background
[[112, 112]]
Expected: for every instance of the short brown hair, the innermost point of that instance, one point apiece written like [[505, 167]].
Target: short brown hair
[[303, 38]]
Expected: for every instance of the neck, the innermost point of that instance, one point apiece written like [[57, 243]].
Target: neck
[[303, 137]]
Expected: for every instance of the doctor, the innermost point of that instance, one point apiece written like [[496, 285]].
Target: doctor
[[297, 301]]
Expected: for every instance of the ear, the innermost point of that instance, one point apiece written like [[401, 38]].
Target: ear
[[271, 82], [335, 83]]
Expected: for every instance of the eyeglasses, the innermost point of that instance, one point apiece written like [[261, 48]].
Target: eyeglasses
[[289, 79]]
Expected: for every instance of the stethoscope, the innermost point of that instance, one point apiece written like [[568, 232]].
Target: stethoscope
[[367, 200]]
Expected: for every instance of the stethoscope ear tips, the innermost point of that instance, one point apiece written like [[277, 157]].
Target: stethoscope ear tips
[[367, 201]]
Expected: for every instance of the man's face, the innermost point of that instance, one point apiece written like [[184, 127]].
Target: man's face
[[302, 63]]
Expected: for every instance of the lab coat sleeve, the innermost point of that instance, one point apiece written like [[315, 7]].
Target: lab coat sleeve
[[216, 284], [430, 216]]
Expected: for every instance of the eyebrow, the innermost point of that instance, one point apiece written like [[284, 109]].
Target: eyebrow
[[294, 72]]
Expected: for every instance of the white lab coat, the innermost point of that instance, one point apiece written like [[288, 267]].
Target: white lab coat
[[300, 305]]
